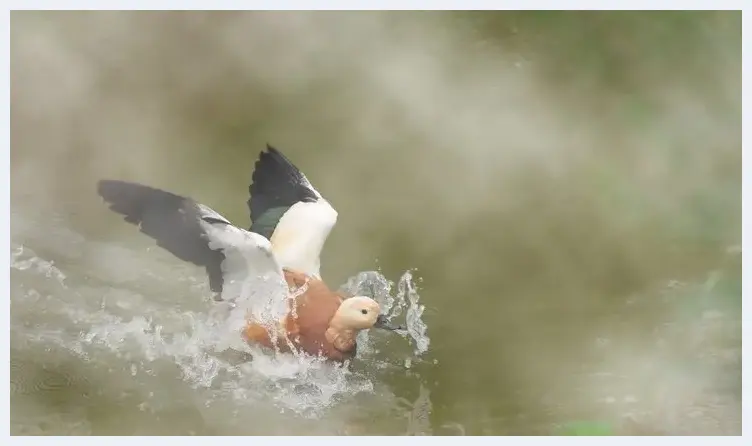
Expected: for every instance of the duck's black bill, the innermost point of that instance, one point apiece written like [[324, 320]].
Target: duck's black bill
[[382, 323]]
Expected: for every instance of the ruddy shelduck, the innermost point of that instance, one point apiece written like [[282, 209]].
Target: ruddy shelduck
[[279, 254]]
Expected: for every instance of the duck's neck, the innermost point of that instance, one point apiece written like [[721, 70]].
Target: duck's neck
[[342, 339]]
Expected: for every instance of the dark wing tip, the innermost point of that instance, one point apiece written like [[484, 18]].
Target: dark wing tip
[[123, 197], [271, 149], [272, 158], [113, 188], [276, 183], [136, 201], [110, 190]]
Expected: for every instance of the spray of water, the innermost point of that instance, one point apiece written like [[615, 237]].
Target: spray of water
[[147, 336], [406, 298]]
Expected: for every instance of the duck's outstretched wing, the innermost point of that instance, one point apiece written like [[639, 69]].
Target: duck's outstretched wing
[[239, 263], [289, 211], [170, 219]]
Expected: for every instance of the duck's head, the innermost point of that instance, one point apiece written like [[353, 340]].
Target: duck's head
[[360, 313]]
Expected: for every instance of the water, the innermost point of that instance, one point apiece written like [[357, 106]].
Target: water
[[551, 202], [121, 331]]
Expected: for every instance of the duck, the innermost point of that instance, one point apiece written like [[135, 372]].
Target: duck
[[279, 255]]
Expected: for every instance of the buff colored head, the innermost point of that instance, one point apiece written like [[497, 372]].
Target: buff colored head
[[360, 313]]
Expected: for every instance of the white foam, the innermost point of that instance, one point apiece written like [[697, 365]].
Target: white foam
[[144, 335]]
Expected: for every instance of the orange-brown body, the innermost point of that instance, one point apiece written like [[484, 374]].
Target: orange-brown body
[[306, 324]]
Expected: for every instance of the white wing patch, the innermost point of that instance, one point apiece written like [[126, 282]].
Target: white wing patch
[[300, 235], [253, 280]]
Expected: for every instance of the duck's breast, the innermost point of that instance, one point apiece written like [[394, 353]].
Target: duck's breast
[[308, 320]]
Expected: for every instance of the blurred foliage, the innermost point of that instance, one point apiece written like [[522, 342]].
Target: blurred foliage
[[586, 428], [621, 50]]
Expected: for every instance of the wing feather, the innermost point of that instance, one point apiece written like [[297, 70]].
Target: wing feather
[[171, 220], [240, 264], [253, 279], [288, 210]]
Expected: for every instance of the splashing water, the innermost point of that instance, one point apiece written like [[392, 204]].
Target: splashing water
[[419, 416], [149, 337], [375, 285], [23, 259]]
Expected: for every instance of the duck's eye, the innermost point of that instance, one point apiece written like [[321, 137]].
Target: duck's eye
[[364, 311]]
